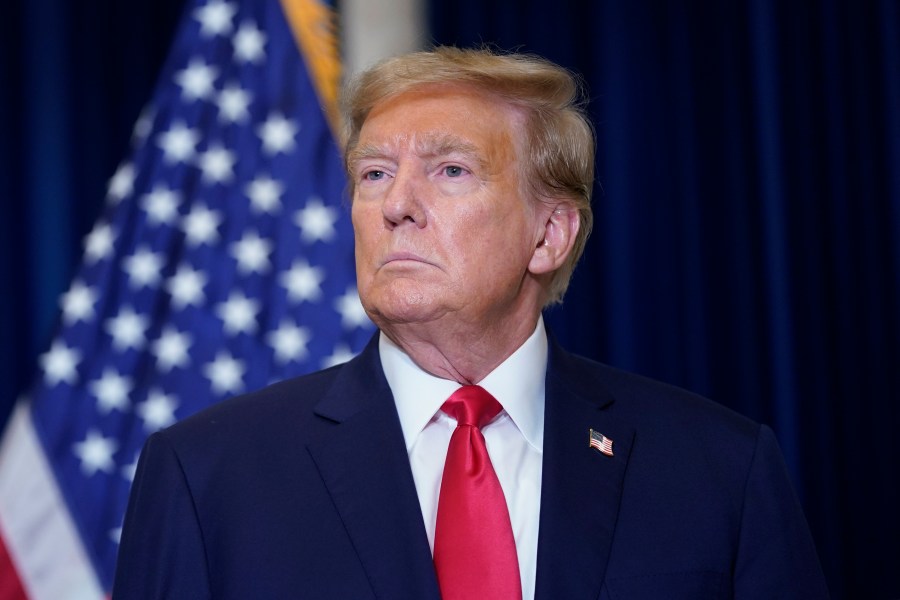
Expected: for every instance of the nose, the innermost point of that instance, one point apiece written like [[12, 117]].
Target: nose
[[403, 203]]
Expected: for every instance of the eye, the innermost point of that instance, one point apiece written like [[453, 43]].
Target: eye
[[373, 175], [453, 171]]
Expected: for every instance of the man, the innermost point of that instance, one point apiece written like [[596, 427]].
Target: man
[[471, 176]]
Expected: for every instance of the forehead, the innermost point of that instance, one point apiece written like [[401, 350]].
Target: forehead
[[439, 119]]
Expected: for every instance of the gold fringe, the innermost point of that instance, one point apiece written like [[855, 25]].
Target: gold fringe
[[315, 28]]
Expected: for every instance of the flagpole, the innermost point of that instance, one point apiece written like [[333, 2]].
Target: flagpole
[[372, 30]]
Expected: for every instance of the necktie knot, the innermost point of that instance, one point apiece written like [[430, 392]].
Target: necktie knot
[[472, 405]]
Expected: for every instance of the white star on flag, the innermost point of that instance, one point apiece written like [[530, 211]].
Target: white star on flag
[[127, 329], [249, 44], [225, 374], [78, 303], [161, 205], [143, 267], [252, 253], [59, 364], [98, 245], [111, 391], [217, 164], [179, 143], [233, 102], [171, 349], [238, 314], [128, 470], [157, 411], [115, 534], [289, 342], [122, 183], [353, 314], [316, 221], [197, 80], [186, 286], [277, 134], [265, 194], [340, 355], [303, 282], [201, 225], [215, 17], [96, 453]]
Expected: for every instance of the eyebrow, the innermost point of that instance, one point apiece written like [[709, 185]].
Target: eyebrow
[[442, 144], [429, 145]]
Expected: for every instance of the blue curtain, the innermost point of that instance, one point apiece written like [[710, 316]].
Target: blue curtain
[[747, 243]]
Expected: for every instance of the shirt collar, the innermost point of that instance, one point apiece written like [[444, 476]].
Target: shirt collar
[[517, 383]]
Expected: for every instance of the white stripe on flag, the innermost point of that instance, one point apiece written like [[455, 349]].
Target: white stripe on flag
[[37, 529]]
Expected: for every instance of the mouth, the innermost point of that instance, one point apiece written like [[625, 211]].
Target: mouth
[[403, 259], [399, 258]]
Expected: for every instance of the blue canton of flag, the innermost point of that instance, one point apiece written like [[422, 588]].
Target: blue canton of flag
[[223, 262]]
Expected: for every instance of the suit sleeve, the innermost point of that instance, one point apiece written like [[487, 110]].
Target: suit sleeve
[[161, 554], [776, 556]]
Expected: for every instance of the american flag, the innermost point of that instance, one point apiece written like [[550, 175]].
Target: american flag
[[601, 443], [223, 261]]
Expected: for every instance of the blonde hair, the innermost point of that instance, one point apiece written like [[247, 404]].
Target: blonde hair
[[558, 134]]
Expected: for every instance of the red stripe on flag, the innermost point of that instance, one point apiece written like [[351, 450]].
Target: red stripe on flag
[[10, 584]]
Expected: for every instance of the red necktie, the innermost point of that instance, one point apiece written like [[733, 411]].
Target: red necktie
[[474, 548]]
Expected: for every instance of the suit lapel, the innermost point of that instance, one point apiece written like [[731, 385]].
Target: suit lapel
[[363, 462], [581, 488]]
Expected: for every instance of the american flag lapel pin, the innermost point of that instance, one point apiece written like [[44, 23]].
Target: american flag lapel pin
[[601, 443]]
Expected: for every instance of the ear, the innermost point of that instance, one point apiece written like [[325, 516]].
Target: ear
[[560, 230]]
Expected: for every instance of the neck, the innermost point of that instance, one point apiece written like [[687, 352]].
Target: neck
[[465, 353]]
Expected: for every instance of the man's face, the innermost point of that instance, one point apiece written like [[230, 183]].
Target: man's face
[[442, 227]]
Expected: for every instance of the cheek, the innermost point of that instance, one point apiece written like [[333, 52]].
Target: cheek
[[365, 223], [357, 212]]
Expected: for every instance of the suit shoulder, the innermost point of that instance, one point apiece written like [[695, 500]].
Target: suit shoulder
[[655, 405], [288, 401]]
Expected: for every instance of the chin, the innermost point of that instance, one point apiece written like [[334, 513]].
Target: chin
[[402, 306]]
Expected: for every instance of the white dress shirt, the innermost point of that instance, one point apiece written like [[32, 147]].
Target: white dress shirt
[[514, 439]]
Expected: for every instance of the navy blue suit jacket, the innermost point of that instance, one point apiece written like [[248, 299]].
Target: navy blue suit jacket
[[304, 490]]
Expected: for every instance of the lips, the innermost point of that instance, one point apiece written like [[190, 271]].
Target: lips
[[399, 258]]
